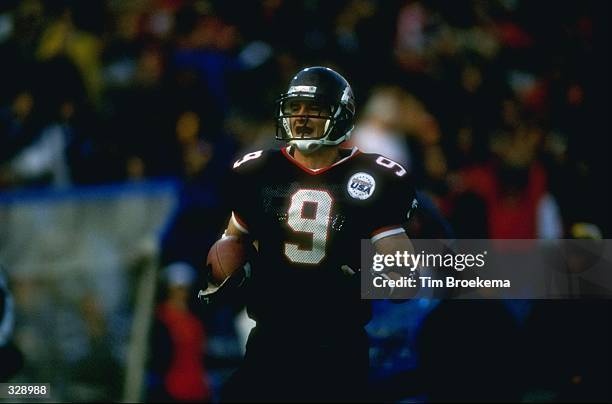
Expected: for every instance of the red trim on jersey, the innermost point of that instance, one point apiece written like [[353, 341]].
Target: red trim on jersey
[[321, 170], [386, 228]]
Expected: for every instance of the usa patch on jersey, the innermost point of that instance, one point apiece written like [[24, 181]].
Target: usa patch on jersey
[[361, 186]]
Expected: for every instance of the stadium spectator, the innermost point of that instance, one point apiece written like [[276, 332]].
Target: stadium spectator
[[177, 371]]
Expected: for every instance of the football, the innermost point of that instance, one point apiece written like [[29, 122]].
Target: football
[[225, 257]]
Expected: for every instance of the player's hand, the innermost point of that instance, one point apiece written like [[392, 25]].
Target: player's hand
[[217, 293], [204, 295]]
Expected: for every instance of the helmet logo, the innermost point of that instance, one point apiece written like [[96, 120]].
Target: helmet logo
[[302, 89], [361, 186]]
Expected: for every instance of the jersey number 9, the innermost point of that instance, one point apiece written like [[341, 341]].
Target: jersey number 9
[[316, 225]]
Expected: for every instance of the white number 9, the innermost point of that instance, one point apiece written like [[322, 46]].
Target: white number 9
[[385, 162], [317, 225], [247, 157]]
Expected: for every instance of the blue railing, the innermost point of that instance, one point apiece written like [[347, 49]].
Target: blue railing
[[90, 192]]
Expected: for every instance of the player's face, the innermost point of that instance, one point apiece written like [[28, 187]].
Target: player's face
[[308, 118]]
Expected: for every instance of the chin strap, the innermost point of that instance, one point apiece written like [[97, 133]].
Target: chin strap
[[306, 146]]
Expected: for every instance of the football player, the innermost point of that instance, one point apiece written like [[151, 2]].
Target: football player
[[308, 206]]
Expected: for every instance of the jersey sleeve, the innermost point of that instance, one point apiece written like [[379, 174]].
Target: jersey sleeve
[[240, 215], [395, 207], [237, 191], [241, 191]]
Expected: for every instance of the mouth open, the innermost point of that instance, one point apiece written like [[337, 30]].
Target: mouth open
[[303, 130]]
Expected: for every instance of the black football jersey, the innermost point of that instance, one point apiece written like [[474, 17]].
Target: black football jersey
[[308, 224]]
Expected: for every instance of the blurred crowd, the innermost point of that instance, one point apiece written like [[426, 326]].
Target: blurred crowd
[[491, 104]]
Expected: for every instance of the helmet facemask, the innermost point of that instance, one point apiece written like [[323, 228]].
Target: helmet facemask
[[308, 106]]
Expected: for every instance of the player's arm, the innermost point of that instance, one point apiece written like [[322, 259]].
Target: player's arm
[[226, 258], [219, 281], [239, 233], [390, 245], [237, 229]]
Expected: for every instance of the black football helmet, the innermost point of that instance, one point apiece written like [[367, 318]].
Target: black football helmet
[[336, 103]]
